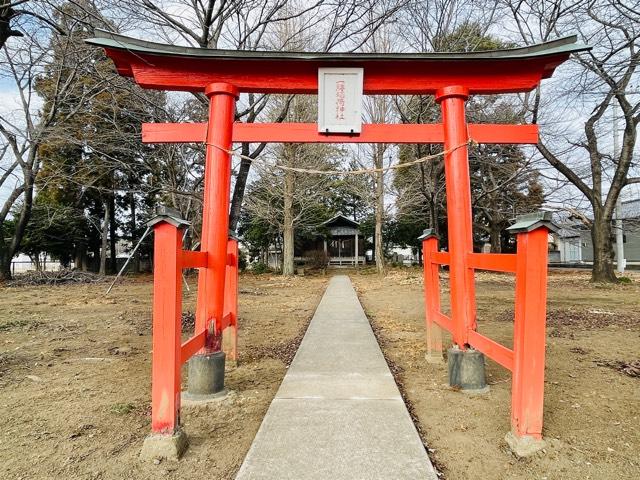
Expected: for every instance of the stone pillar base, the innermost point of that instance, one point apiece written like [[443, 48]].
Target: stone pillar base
[[206, 377], [164, 446], [435, 358], [466, 370], [524, 446]]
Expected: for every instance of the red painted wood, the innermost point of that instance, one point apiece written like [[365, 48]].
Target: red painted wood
[[174, 132], [296, 76], [431, 283], [227, 320], [192, 259], [529, 335], [493, 350], [459, 215], [191, 346], [496, 262], [444, 321], [441, 258], [308, 133], [231, 298], [215, 217], [167, 318]]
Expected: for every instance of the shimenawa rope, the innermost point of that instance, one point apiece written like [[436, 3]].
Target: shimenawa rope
[[345, 172]]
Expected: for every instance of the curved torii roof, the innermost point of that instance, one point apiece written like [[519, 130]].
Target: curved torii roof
[[170, 67]]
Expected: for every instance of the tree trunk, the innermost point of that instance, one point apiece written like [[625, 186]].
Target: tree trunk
[[239, 188], [495, 237], [105, 238], [5, 259], [433, 215], [79, 257], [603, 270], [113, 263], [8, 251], [288, 231], [6, 15], [134, 238], [35, 259]]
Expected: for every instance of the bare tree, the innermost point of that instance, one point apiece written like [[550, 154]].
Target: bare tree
[[75, 126], [598, 79], [256, 24], [428, 25], [8, 12], [438, 26], [379, 109], [25, 130], [294, 201], [17, 18]]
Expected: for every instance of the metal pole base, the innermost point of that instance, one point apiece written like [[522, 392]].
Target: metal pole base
[[466, 370], [206, 377]]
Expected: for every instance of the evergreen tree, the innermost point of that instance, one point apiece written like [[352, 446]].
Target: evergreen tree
[[93, 163]]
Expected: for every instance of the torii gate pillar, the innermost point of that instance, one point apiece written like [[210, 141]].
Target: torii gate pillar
[[459, 217], [206, 369], [465, 365]]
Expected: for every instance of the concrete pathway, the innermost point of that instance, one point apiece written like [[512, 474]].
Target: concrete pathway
[[338, 413]]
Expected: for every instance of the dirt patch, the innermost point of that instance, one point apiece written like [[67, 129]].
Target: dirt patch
[[283, 351], [75, 378], [591, 406]]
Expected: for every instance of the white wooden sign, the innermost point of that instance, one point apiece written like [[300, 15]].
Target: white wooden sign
[[340, 100]]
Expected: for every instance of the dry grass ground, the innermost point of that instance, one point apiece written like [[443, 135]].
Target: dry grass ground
[[75, 368], [75, 379], [592, 407]]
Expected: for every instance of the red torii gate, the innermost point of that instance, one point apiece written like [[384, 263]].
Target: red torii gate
[[222, 75]]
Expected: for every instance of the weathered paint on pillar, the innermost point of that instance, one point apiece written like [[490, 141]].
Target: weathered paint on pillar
[[215, 217], [231, 300], [459, 215], [529, 334]]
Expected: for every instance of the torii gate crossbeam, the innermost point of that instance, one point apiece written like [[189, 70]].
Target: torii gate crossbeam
[[308, 133]]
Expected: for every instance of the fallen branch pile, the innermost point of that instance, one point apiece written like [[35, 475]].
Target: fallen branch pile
[[629, 368], [54, 278]]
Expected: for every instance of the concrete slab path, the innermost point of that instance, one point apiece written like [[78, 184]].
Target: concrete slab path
[[338, 413]]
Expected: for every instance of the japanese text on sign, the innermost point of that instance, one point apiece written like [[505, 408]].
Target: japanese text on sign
[[340, 100]]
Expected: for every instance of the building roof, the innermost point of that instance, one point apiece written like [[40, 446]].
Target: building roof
[[630, 209], [341, 220], [113, 40], [532, 221], [172, 67]]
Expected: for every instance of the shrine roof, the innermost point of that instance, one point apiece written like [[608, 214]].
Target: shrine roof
[[172, 67], [341, 220]]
